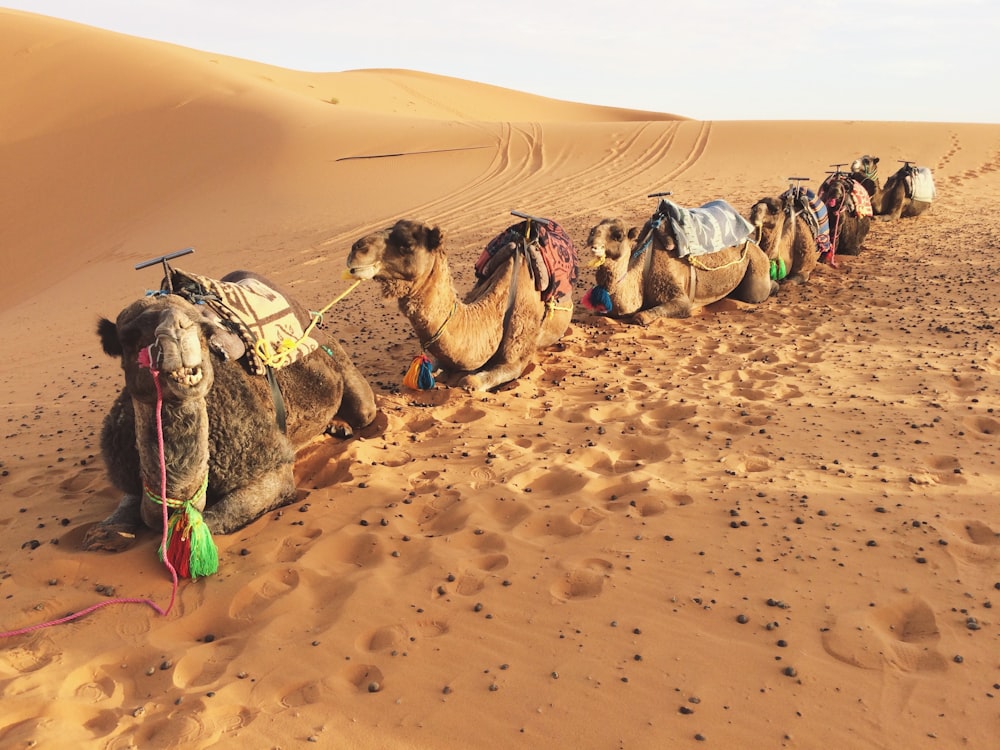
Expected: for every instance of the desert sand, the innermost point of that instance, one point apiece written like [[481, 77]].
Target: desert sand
[[760, 527]]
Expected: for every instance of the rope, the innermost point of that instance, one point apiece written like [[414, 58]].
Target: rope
[[703, 267], [145, 362], [433, 339], [281, 356]]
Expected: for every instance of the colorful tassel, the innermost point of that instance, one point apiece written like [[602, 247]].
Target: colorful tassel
[[599, 300], [778, 269], [190, 547], [420, 376]]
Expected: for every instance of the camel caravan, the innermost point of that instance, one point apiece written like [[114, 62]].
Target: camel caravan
[[224, 380]]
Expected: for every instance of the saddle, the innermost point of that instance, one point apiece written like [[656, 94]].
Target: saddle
[[813, 210], [261, 319], [713, 226], [550, 253], [919, 183]]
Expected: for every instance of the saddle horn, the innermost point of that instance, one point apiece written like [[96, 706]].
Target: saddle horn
[[166, 267]]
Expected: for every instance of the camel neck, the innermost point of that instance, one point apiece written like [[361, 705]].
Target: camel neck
[[431, 306], [185, 446]]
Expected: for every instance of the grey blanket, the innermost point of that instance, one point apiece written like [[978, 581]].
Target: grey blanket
[[922, 185], [708, 229]]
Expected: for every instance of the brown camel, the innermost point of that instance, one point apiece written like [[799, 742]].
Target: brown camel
[[482, 341], [909, 192], [220, 422], [849, 211], [791, 234], [641, 276]]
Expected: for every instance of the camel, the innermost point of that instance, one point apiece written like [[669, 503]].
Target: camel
[[849, 211], [220, 421], [791, 233], [645, 279], [488, 338], [909, 192]]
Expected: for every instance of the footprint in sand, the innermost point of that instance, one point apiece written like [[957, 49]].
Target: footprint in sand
[[307, 694], [583, 582], [205, 664], [974, 542], [391, 637], [295, 546], [444, 514], [983, 427], [262, 592], [902, 637], [363, 676], [363, 550], [82, 480], [472, 582]]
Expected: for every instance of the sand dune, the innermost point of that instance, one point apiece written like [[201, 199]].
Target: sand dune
[[564, 562]]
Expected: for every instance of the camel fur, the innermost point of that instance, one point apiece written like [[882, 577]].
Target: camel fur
[[784, 235], [218, 419], [889, 202], [656, 283], [476, 342]]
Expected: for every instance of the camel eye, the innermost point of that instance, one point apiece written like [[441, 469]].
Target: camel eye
[[616, 235]]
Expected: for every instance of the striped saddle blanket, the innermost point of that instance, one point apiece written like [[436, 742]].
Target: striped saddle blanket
[[551, 255], [712, 227], [260, 316], [813, 210]]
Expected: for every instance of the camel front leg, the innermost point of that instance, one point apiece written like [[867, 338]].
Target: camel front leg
[[677, 307], [245, 504], [117, 532], [491, 377]]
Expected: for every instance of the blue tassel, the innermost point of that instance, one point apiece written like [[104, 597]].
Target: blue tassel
[[599, 300], [420, 376]]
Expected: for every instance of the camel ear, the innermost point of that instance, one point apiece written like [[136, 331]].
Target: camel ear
[[108, 333], [435, 237], [633, 232]]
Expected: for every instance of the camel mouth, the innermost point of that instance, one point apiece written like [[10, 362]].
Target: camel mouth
[[364, 272], [187, 376]]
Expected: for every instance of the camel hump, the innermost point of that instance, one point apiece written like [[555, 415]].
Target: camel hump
[[552, 257]]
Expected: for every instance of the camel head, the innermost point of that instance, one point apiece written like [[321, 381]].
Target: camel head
[[169, 334], [400, 258], [866, 166], [837, 193], [765, 213], [610, 240]]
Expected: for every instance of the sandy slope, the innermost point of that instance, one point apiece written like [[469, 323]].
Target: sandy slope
[[561, 563]]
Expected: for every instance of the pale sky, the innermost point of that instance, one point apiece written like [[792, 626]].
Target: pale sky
[[901, 60]]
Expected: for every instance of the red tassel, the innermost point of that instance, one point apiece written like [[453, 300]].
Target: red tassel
[[179, 544]]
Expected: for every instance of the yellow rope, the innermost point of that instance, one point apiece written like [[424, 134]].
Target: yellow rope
[[743, 254], [280, 357]]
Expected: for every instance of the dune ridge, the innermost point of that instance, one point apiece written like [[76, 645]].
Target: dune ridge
[[763, 526]]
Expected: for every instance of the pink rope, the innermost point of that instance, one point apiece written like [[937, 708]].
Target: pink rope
[[145, 360]]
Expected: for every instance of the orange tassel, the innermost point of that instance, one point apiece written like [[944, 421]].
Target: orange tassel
[[420, 376]]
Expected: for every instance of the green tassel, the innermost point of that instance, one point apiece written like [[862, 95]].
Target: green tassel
[[190, 547], [204, 554], [774, 270], [782, 269]]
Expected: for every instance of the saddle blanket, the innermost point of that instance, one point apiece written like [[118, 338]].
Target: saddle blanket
[[814, 210], [254, 311], [862, 201], [552, 257], [920, 184], [712, 227]]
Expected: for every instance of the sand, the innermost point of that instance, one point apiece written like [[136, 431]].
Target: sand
[[759, 527]]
